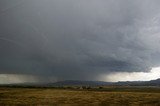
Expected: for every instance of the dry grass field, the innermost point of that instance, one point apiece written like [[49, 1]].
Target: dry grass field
[[67, 97]]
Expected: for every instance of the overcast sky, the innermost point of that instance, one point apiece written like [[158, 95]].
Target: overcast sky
[[78, 39]]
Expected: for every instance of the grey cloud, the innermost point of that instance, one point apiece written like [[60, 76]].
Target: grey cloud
[[76, 39]]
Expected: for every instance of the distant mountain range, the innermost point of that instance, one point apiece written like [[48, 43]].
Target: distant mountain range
[[79, 83], [140, 83], [91, 83], [101, 83]]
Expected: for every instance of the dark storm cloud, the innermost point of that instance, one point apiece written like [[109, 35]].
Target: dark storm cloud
[[78, 39]]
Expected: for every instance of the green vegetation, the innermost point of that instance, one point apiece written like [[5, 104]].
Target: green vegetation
[[114, 96]]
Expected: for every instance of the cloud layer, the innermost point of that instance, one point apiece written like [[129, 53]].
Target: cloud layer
[[78, 39]]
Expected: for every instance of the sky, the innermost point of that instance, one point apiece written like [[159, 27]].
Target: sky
[[50, 40]]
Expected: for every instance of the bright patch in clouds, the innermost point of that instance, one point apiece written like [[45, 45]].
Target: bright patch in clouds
[[134, 76], [16, 78]]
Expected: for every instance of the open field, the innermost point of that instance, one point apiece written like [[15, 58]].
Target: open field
[[114, 96]]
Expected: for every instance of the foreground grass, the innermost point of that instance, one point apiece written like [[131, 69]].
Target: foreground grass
[[50, 96]]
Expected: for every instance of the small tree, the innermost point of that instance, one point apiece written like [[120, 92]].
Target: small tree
[[100, 87]]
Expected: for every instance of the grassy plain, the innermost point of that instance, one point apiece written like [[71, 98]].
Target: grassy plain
[[106, 96]]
